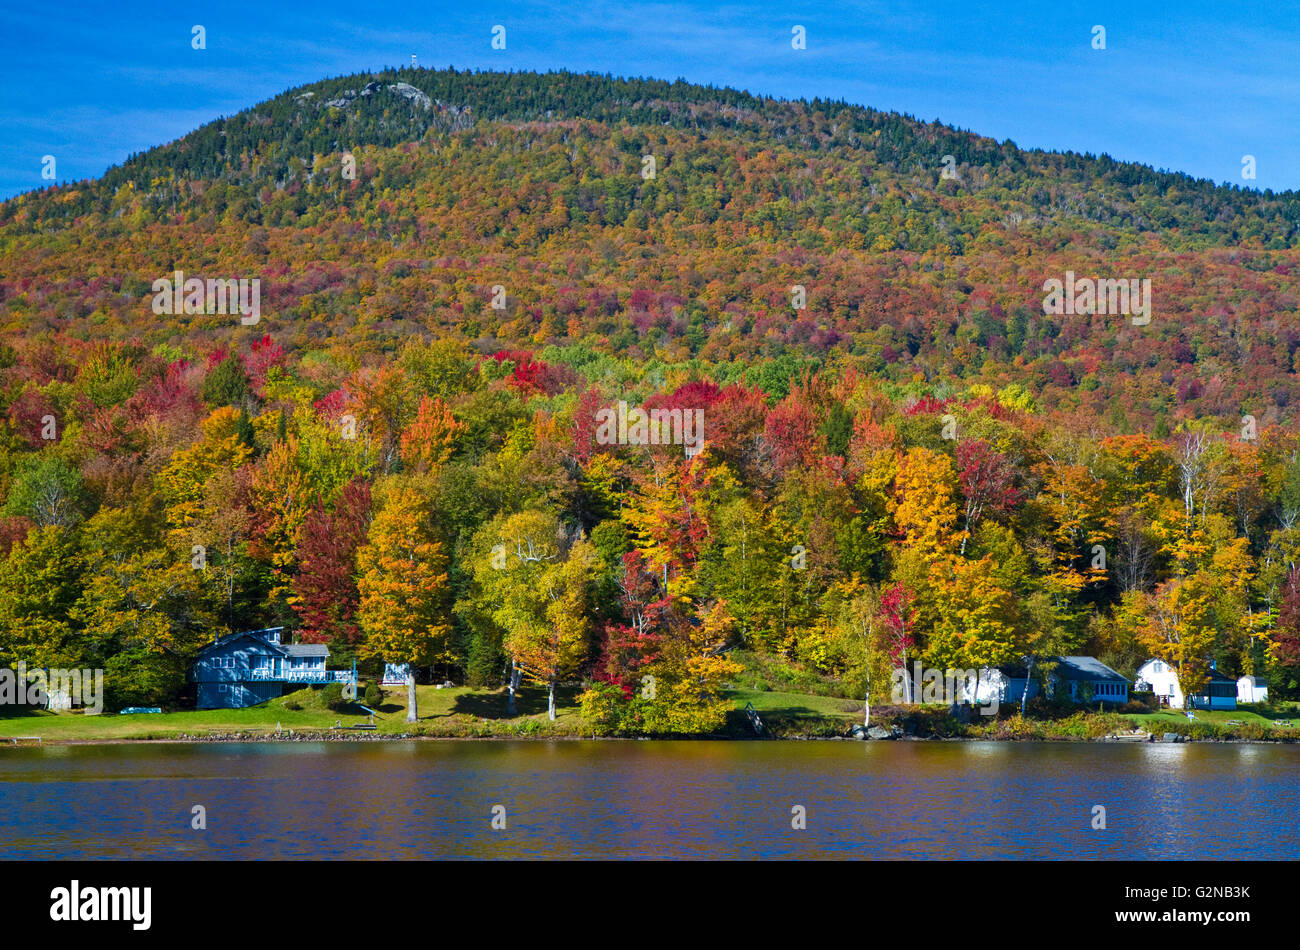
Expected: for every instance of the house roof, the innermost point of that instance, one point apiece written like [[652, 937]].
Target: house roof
[[1086, 668], [284, 649], [307, 649], [1213, 673], [1067, 667], [245, 634]]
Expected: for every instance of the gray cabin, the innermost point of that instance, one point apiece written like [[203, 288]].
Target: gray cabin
[[245, 669], [1085, 678]]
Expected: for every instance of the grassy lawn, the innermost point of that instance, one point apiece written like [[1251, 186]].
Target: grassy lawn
[[471, 713], [463, 711], [454, 711], [797, 705], [73, 726], [1256, 714], [1219, 717], [791, 714]]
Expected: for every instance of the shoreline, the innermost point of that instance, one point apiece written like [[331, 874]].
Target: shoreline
[[787, 717], [312, 737]]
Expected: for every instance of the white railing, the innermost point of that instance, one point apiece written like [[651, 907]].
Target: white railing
[[302, 676]]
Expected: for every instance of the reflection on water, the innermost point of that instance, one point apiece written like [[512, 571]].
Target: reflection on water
[[434, 799]]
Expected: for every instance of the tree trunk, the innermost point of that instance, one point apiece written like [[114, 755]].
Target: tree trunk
[[866, 706], [550, 703], [511, 684], [1024, 696], [411, 714]]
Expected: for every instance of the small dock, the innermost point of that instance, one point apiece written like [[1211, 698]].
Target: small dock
[[1130, 735], [21, 740]]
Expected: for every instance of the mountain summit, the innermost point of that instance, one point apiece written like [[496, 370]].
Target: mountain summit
[[668, 220]]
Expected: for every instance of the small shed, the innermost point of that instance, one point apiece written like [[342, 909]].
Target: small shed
[[395, 674], [1252, 689]]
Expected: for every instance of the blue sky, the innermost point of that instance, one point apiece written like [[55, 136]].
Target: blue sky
[[1191, 86]]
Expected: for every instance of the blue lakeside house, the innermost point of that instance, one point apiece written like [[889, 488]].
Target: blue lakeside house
[[245, 669], [1086, 679]]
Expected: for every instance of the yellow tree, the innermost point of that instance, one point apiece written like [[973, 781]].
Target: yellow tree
[[556, 647], [382, 400], [1138, 472], [1201, 460], [140, 608], [976, 617], [536, 583], [402, 583], [282, 492], [39, 581], [1230, 575], [685, 680], [1071, 498], [184, 481], [215, 540], [1243, 485], [1178, 627], [924, 504]]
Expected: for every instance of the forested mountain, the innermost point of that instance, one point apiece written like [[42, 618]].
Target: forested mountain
[[459, 271], [465, 181]]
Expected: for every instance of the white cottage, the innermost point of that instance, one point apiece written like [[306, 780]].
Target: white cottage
[[1163, 681], [1252, 689], [1220, 691]]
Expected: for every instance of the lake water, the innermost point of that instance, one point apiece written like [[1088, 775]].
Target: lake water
[[434, 799]]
